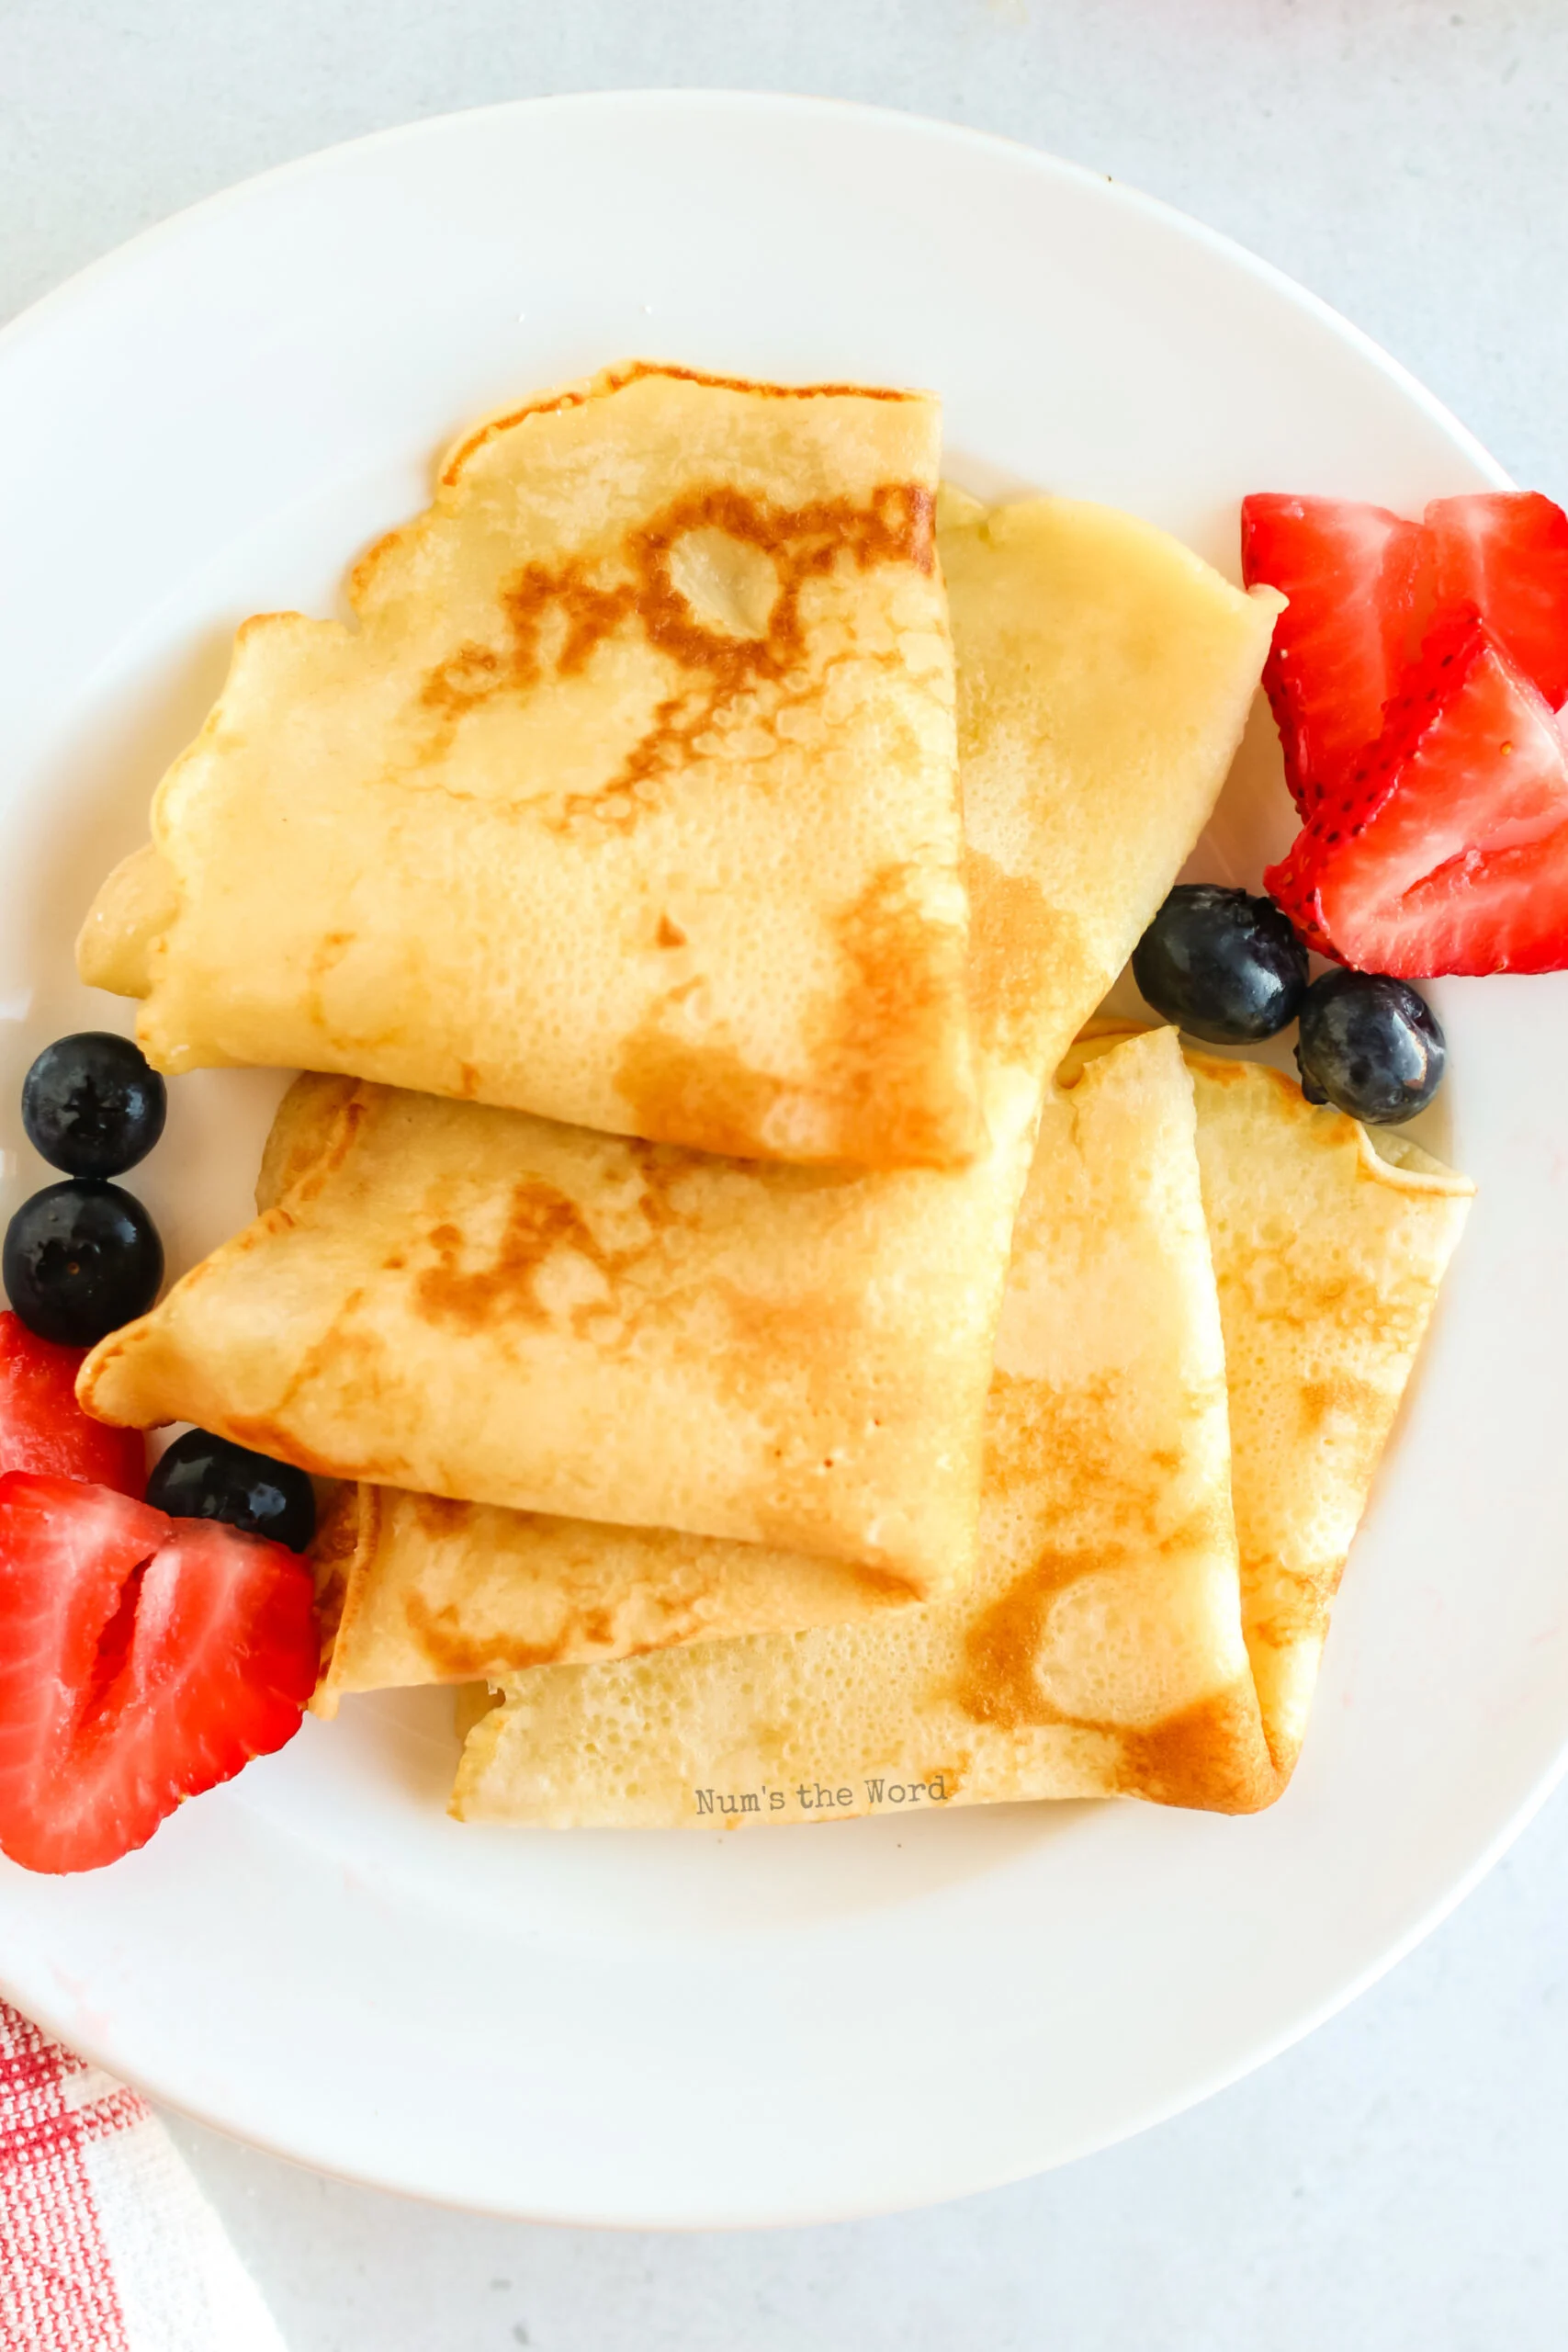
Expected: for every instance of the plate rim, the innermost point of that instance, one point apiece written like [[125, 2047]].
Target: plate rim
[[81, 283]]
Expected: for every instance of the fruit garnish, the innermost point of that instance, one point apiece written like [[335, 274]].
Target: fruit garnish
[[43, 1429], [1365, 586], [1446, 850], [1506, 553], [80, 1259], [1358, 578], [92, 1104], [1370, 1046], [202, 1477], [143, 1659], [1222, 965]]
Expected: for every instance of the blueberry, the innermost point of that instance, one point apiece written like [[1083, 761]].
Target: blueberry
[[1225, 966], [203, 1477], [80, 1259], [1370, 1046], [92, 1104]]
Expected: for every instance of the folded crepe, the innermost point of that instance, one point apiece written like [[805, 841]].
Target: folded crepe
[[632, 798], [469, 1304], [1328, 1252], [1116, 1639]]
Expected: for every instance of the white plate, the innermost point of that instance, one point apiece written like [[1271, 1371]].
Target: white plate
[[695, 2028]]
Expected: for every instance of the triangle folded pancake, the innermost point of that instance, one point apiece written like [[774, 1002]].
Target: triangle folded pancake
[[483, 1306], [631, 799], [1329, 1250], [471, 1303], [1117, 1638]]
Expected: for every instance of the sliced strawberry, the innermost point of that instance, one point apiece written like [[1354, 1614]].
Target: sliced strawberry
[[1506, 553], [1358, 580], [1447, 849], [1292, 884], [43, 1429], [143, 1659]]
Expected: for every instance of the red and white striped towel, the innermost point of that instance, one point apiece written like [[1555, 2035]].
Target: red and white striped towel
[[105, 2243]]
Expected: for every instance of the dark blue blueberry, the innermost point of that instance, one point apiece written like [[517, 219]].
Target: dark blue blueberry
[[1370, 1046], [203, 1477], [1222, 965], [92, 1104], [80, 1259]]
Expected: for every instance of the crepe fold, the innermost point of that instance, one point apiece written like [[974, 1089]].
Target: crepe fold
[[1215, 1300], [1328, 1253], [475, 1305], [631, 800]]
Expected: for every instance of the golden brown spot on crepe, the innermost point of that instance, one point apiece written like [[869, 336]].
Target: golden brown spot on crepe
[[311, 1175], [1212, 1755], [999, 1682], [457, 1654], [439, 1515], [587, 614], [325, 958], [365, 571], [1012, 932], [684, 1087], [660, 1169], [670, 934], [1065, 1440], [799, 1333], [955, 1773], [1299, 1600], [893, 987], [1003, 1647], [893, 952], [1343, 1400], [468, 1082], [1231, 1073], [579, 610], [540, 1221], [460, 1656], [896, 1590], [1283, 1285], [616, 380], [465, 678], [896, 524]]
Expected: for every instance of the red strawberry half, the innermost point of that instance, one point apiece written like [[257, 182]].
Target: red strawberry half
[[1447, 848], [143, 1659], [42, 1428], [1506, 553], [1358, 580]]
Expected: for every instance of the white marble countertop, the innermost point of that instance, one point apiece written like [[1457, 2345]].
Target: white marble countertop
[[1400, 2180]]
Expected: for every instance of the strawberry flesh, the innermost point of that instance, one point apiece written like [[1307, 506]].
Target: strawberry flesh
[[1359, 584], [43, 1429], [1445, 848], [1506, 553], [143, 1659]]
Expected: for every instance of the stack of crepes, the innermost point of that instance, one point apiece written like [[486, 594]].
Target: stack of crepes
[[696, 775]]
